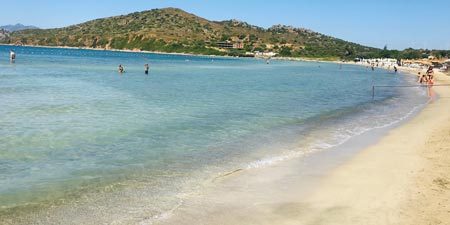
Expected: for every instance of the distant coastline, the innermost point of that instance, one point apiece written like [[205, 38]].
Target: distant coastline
[[305, 59], [117, 50]]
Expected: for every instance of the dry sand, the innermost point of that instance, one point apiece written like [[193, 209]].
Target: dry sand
[[428, 199], [402, 179]]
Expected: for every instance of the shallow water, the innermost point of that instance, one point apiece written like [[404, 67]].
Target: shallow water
[[75, 134]]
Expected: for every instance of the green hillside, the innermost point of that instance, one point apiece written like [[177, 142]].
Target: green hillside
[[174, 30]]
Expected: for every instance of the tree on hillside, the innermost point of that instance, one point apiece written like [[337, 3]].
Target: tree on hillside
[[285, 51], [385, 53]]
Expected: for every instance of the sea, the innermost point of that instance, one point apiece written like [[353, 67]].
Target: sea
[[79, 139]]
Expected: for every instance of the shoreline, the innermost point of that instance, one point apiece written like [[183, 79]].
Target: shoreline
[[175, 53], [112, 50], [402, 178]]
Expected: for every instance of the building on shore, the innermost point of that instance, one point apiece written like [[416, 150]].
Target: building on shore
[[229, 45], [265, 54]]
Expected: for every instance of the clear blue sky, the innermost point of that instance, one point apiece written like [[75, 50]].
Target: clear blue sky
[[398, 24]]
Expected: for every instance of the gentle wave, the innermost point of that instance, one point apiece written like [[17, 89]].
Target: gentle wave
[[343, 136]]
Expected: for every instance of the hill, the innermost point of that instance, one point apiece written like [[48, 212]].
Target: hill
[[174, 30], [17, 27], [4, 35]]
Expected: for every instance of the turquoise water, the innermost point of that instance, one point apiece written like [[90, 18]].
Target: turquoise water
[[74, 132]]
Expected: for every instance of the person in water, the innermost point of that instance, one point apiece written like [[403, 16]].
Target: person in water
[[120, 68], [423, 79], [146, 68], [12, 55]]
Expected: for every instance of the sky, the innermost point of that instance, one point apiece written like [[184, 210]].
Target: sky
[[397, 24]]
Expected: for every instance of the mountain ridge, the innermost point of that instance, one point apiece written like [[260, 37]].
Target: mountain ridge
[[17, 27], [173, 30]]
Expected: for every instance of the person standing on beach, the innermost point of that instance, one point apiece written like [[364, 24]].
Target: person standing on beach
[[146, 68], [430, 71], [120, 68]]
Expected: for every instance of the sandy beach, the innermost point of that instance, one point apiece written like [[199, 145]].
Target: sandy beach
[[401, 179]]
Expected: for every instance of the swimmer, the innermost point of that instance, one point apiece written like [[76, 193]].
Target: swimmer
[[146, 68], [12, 55]]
